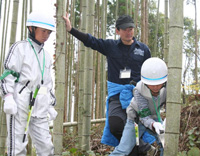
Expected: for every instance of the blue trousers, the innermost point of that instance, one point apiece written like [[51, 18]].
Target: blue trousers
[[128, 139]]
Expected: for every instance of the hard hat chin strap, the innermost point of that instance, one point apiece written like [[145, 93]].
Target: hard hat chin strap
[[31, 35], [31, 31]]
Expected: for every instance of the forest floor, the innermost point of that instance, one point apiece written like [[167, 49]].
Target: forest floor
[[189, 135]]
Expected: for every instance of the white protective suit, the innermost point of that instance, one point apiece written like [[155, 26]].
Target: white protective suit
[[22, 59]]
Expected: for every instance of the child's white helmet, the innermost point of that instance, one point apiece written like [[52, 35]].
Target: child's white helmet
[[42, 20], [154, 71]]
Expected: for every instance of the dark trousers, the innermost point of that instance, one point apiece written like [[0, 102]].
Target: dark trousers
[[117, 121]]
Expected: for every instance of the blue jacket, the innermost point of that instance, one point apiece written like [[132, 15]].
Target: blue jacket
[[125, 98], [120, 56]]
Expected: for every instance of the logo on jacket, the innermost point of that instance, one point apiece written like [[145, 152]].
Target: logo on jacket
[[139, 52]]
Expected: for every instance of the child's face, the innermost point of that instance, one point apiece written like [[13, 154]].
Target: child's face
[[155, 89], [42, 34]]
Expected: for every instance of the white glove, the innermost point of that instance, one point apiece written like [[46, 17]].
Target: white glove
[[52, 113], [10, 106], [158, 127], [164, 123]]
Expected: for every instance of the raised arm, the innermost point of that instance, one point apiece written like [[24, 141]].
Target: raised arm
[[67, 22]]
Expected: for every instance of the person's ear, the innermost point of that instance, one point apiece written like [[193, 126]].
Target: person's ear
[[30, 29], [117, 31]]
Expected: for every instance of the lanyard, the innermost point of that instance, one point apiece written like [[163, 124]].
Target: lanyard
[[42, 70], [157, 111]]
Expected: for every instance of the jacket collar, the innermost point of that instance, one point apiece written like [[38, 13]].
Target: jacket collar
[[119, 41]]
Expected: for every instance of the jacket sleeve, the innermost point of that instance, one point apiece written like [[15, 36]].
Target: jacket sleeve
[[79, 35], [143, 110], [132, 111], [13, 62], [52, 99], [90, 41]]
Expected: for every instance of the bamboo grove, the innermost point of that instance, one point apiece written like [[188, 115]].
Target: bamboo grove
[[80, 73]]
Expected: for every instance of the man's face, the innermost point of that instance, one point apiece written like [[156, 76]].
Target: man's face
[[126, 35], [42, 34]]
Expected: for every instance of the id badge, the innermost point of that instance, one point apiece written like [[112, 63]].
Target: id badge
[[42, 90], [125, 74]]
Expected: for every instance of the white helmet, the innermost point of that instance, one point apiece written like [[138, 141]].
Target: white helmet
[[42, 20], [154, 71]]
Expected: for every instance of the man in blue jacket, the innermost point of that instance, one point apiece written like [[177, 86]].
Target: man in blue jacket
[[125, 57]]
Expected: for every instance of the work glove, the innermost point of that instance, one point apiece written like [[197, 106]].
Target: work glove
[[52, 113], [158, 127], [10, 106], [164, 123]]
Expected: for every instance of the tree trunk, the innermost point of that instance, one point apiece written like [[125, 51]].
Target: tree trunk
[[127, 7], [93, 84], [173, 107], [3, 134], [103, 59], [131, 8], [136, 18], [97, 76], [59, 78], [70, 68], [146, 22], [116, 13], [186, 67], [155, 52], [76, 90], [5, 39], [166, 37], [23, 21], [3, 42], [88, 72], [81, 74], [196, 49], [68, 38], [98, 68], [143, 21], [14, 22], [0, 8]]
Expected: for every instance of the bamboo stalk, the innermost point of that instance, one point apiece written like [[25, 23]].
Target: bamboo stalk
[[71, 124]]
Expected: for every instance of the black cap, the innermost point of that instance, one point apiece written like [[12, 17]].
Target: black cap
[[125, 21]]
